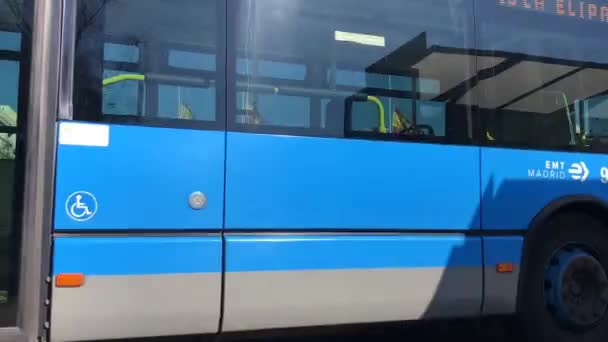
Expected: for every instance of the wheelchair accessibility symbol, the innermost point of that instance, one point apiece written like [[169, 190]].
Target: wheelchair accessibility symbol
[[81, 206]]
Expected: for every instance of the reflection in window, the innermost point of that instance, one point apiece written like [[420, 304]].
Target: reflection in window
[[7, 176], [261, 68], [390, 71], [10, 41], [120, 53], [432, 114], [120, 97], [9, 88], [186, 103], [8, 143], [287, 111], [14, 16], [363, 79], [549, 90], [8, 117], [596, 116], [156, 77], [191, 60]]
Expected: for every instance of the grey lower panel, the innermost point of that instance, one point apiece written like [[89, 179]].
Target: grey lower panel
[[136, 306], [263, 300], [500, 292]]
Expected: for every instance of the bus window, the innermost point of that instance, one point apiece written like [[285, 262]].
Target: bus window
[[558, 66], [594, 122], [120, 53], [15, 25], [189, 103], [270, 110], [120, 97], [427, 119], [362, 79], [272, 69], [191, 60], [8, 144], [428, 86], [266, 105], [432, 114], [7, 217], [9, 69], [394, 52], [10, 41], [596, 116], [149, 62]]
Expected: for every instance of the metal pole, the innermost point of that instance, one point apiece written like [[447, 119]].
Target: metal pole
[[39, 169]]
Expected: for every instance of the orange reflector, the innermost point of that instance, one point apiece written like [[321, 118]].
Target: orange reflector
[[69, 280], [505, 268]]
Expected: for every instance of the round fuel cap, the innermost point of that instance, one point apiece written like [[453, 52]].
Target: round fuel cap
[[197, 200]]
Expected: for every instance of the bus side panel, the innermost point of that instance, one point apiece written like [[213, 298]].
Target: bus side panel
[[284, 182], [518, 184], [302, 280], [500, 288], [136, 287], [141, 178]]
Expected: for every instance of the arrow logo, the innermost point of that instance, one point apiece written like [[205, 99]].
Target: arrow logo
[[579, 171]]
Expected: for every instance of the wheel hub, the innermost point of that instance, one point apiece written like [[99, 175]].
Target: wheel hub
[[576, 288]]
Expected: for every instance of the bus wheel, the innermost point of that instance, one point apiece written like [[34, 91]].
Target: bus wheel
[[564, 292]]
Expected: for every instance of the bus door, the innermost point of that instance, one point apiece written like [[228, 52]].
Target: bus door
[[335, 212], [15, 56], [140, 170]]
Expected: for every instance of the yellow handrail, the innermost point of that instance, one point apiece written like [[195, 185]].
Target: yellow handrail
[[124, 77], [378, 103]]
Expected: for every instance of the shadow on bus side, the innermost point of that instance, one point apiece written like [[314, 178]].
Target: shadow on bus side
[[510, 203]]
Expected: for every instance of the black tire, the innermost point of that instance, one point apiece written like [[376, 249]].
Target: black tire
[[535, 320]]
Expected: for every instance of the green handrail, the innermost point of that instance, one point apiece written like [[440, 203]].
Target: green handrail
[[123, 77], [378, 103]]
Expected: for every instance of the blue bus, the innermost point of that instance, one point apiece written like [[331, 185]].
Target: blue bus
[[207, 167]]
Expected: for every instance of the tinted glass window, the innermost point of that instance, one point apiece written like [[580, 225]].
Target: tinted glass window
[[120, 53], [271, 69], [382, 68], [191, 60], [9, 89], [15, 37], [548, 91], [150, 61], [10, 41]]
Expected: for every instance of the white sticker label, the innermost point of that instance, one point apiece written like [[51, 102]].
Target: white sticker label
[[359, 38], [81, 134]]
